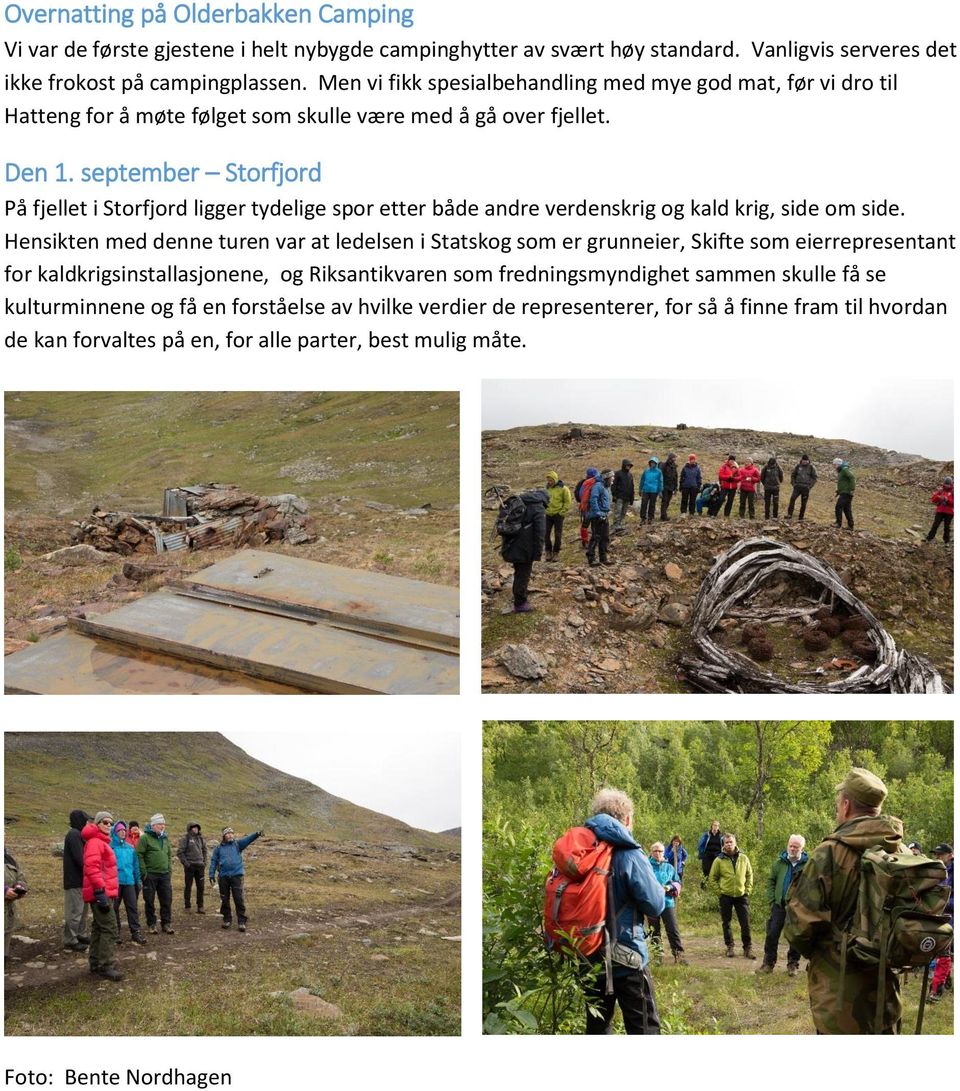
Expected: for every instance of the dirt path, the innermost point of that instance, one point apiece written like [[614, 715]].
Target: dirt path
[[45, 965]]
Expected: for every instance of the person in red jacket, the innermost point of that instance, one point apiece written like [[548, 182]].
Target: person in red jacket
[[749, 479], [100, 886], [729, 477], [943, 498]]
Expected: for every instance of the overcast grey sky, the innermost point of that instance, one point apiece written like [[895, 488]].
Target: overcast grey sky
[[407, 771], [907, 415]]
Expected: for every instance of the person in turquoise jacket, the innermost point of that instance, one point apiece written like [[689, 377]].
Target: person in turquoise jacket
[[636, 894], [128, 880], [667, 877], [651, 486], [227, 859]]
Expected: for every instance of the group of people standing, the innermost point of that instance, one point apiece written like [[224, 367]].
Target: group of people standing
[[108, 864], [600, 497], [811, 898]]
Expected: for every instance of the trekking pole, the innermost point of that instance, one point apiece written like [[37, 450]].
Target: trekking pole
[[923, 998]]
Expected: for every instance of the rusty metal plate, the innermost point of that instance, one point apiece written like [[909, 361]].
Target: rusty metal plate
[[72, 663], [418, 612], [308, 654]]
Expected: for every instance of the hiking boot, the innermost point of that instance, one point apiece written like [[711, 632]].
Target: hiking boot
[[84, 941], [523, 608], [594, 564], [200, 909], [241, 928], [226, 924], [793, 969], [934, 998], [154, 930], [679, 960], [75, 946], [119, 941], [167, 930], [111, 973], [748, 953], [765, 968], [608, 563], [731, 952], [139, 937]]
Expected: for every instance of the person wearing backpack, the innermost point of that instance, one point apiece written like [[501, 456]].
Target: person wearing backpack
[[944, 965], [784, 873], [709, 848], [802, 478], [771, 478], [523, 526], [824, 900], [598, 513], [621, 975], [943, 498], [559, 503], [581, 497], [691, 481]]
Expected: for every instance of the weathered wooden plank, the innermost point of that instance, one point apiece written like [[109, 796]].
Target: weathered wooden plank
[[311, 655], [71, 663], [419, 612]]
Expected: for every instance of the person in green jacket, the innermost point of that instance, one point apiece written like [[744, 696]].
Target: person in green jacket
[[784, 873], [559, 504], [153, 852], [846, 483], [731, 877]]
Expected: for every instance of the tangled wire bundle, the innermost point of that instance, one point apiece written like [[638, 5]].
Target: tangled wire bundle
[[727, 591]]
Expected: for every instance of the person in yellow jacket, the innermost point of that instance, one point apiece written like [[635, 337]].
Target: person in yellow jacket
[[731, 877], [561, 500]]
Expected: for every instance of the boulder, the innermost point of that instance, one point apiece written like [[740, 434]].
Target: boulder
[[523, 662], [673, 571], [675, 613], [78, 555], [304, 1000]]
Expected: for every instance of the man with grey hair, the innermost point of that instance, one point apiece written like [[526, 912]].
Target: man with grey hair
[[784, 873], [636, 894], [153, 851]]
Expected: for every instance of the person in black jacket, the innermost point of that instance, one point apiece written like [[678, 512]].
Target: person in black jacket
[[691, 482], [803, 478], [669, 471], [624, 493], [525, 547], [76, 912], [771, 478]]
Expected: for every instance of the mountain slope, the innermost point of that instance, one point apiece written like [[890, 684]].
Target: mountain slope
[[186, 775]]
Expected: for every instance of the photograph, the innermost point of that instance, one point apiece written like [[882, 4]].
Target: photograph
[[243, 883], [729, 552], [718, 877], [231, 542]]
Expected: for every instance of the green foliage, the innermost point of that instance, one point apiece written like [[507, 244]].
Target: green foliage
[[539, 777], [12, 559]]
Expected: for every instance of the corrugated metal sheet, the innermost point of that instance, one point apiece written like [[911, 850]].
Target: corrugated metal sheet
[[172, 542], [174, 502], [215, 533]]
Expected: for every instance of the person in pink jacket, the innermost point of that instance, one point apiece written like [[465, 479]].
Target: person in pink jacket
[[100, 886], [943, 498], [748, 480]]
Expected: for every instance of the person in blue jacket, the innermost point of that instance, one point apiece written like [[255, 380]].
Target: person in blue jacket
[[651, 486], [598, 516], [668, 878], [128, 882], [636, 894], [228, 860], [676, 854]]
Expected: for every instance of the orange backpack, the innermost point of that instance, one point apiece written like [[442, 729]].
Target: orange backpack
[[575, 898]]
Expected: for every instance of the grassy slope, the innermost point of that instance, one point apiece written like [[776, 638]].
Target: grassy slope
[[67, 453], [121, 449], [324, 929]]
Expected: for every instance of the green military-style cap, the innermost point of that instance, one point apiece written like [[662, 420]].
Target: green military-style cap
[[863, 786]]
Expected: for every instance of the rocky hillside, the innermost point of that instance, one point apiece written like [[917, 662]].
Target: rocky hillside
[[624, 628]]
